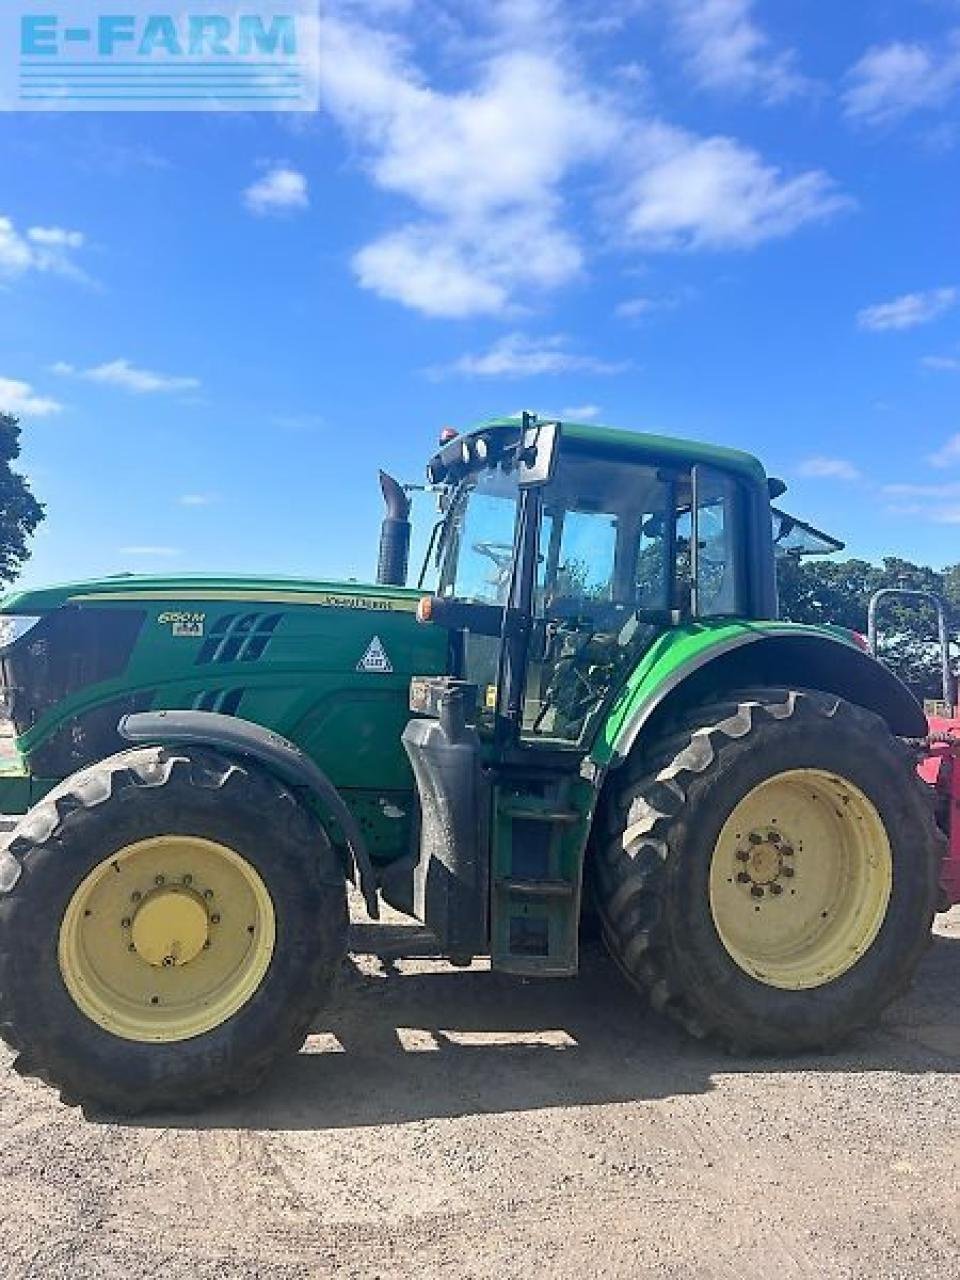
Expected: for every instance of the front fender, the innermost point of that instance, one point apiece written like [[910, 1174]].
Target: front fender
[[699, 661], [286, 761]]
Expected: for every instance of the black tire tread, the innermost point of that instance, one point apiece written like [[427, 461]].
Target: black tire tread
[[117, 781], [632, 864]]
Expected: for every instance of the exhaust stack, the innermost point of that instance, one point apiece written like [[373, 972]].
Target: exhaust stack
[[394, 534]]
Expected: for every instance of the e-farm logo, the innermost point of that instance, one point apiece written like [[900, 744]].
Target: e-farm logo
[[131, 55]]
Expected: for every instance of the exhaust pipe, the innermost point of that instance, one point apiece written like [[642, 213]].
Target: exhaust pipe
[[394, 535]]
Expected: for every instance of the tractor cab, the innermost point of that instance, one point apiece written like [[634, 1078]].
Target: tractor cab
[[565, 554]]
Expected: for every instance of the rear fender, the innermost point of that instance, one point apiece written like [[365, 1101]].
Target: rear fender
[[284, 760], [699, 663]]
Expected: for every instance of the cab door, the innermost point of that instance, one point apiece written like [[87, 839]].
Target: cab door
[[604, 588]]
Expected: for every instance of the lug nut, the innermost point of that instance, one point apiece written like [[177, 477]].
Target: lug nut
[[743, 878], [757, 891], [158, 880], [208, 893], [742, 855], [214, 919], [788, 871], [125, 922], [136, 895], [787, 850], [168, 962], [776, 888], [188, 879], [774, 837], [755, 837], [131, 947]]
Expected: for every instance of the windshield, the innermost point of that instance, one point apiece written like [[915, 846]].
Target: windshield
[[476, 547]]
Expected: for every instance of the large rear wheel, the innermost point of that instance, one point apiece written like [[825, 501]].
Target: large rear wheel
[[172, 920], [770, 872]]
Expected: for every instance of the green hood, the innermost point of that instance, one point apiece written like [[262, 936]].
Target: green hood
[[193, 587]]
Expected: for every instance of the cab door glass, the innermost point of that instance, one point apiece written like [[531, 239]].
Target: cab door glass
[[719, 573], [604, 579], [585, 564]]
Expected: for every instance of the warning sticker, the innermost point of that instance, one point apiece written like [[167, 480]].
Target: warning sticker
[[375, 658]]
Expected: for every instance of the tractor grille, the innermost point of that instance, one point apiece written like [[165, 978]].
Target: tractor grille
[[224, 701], [238, 637]]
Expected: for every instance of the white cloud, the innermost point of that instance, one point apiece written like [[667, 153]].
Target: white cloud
[[908, 311], [518, 356], [487, 190], [724, 48], [462, 268], [299, 422], [20, 399], [941, 364], [892, 80], [932, 491], [198, 499], [634, 308], [643, 305], [948, 454], [42, 249], [281, 190], [488, 162], [715, 193], [121, 373], [822, 468], [580, 412], [148, 550], [935, 503], [56, 237]]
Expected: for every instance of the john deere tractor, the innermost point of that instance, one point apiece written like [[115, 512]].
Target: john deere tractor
[[596, 704]]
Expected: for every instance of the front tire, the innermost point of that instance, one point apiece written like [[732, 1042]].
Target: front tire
[[770, 872], [170, 922]]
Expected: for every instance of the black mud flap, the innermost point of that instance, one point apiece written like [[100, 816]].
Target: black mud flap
[[451, 876]]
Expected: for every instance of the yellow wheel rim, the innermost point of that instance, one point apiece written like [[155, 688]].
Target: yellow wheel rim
[[167, 938], [800, 879]]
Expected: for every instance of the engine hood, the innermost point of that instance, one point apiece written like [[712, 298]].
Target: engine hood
[[188, 589]]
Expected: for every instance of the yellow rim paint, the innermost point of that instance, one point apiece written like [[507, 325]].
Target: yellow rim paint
[[800, 879], [167, 938]]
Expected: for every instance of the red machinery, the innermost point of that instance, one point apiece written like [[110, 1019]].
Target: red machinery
[[940, 758]]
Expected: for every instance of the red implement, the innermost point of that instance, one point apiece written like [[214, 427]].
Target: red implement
[[940, 765], [941, 769]]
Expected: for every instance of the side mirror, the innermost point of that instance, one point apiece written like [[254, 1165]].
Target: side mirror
[[775, 487], [538, 452]]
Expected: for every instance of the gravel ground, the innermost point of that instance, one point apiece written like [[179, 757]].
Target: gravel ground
[[458, 1123]]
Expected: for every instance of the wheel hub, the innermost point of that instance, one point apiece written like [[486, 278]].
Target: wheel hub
[[170, 928], [767, 861]]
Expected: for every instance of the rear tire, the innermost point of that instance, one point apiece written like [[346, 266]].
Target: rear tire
[[196, 854], [732, 926]]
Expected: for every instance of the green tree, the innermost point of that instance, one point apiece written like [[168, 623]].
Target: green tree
[[20, 512], [839, 591]]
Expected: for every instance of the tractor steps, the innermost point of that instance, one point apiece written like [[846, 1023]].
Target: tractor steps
[[535, 882]]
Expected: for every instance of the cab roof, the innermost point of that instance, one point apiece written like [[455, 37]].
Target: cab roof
[[639, 444]]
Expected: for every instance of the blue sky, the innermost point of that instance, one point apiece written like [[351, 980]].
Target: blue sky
[[725, 219]]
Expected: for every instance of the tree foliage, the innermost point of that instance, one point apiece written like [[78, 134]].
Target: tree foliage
[[20, 512], [839, 591]]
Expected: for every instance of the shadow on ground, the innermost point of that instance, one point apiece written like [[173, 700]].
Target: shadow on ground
[[440, 1042]]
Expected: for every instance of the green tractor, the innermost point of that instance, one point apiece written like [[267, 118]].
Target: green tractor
[[597, 707]]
